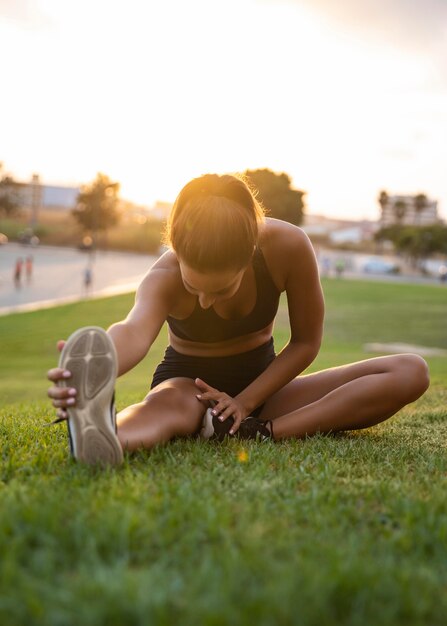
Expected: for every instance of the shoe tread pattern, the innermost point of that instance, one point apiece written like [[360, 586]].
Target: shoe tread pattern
[[80, 346], [97, 446], [99, 371], [99, 344], [91, 360], [77, 369]]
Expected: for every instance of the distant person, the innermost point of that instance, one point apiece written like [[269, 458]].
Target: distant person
[[340, 267], [443, 273], [29, 267], [88, 278], [18, 272], [326, 266], [218, 288]]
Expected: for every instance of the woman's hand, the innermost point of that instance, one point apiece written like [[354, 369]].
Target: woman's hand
[[62, 396], [223, 405]]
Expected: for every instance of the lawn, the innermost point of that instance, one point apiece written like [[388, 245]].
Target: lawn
[[345, 530]]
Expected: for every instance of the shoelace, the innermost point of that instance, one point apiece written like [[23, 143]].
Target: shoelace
[[56, 421]]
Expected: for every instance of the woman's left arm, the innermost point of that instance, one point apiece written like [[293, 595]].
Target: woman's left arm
[[295, 262], [291, 257]]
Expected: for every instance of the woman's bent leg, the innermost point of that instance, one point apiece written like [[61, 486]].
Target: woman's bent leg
[[169, 410], [349, 397]]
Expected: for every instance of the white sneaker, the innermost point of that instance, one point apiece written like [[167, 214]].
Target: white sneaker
[[90, 356], [213, 428]]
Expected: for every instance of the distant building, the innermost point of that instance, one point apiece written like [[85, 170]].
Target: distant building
[[59, 197], [338, 232], [400, 209], [35, 196], [355, 234]]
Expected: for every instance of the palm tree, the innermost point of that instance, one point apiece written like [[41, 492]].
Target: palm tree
[[399, 208], [383, 199], [420, 203]]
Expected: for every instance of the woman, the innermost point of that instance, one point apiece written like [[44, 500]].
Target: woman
[[218, 288]]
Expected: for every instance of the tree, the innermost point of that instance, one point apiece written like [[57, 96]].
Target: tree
[[9, 196], [388, 233], [399, 208], [97, 205], [275, 193], [417, 242]]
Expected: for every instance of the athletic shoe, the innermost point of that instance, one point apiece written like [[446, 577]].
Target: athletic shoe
[[254, 428], [213, 428], [250, 428], [90, 356]]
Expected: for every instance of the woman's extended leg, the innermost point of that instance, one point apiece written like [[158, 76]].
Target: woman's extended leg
[[169, 410], [349, 397]]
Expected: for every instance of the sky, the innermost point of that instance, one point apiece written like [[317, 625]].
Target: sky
[[347, 97]]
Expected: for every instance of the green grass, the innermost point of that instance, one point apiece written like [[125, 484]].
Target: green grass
[[333, 530]]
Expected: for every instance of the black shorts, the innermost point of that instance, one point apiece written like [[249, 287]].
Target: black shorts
[[230, 374]]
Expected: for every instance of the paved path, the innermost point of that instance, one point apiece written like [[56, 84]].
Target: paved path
[[58, 275], [354, 267]]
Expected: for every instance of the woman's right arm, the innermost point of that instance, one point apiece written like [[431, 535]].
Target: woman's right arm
[[132, 336]]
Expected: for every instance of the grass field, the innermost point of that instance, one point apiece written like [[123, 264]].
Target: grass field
[[348, 530]]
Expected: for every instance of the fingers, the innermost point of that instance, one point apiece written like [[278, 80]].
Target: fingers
[[224, 408], [59, 393], [62, 397], [223, 405], [234, 412], [237, 422], [218, 401], [64, 403], [203, 386], [57, 373], [62, 414], [230, 410], [209, 396]]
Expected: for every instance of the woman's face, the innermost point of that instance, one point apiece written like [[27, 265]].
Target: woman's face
[[212, 287]]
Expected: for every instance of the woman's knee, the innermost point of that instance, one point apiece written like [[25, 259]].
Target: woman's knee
[[174, 393], [413, 374], [176, 399]]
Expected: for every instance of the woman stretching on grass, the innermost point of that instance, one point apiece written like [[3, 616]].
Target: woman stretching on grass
[[218, 288]]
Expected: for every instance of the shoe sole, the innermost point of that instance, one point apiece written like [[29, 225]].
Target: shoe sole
[[90, 355]]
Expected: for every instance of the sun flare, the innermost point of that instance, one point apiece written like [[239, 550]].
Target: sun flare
[[154, 94]]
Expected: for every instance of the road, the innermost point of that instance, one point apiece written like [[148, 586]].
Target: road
[[58, 275], [354, 263]]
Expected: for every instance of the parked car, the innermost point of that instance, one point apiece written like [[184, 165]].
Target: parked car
[[3, 239], [380, 266]]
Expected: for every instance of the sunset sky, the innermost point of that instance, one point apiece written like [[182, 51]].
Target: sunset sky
[[346, 96]]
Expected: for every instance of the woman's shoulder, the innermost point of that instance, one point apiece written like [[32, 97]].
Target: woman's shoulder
[[164, 275], [284, 245], [281, 239], [167, 261]]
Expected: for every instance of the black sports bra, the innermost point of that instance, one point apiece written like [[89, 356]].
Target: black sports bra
[[205, 325]]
